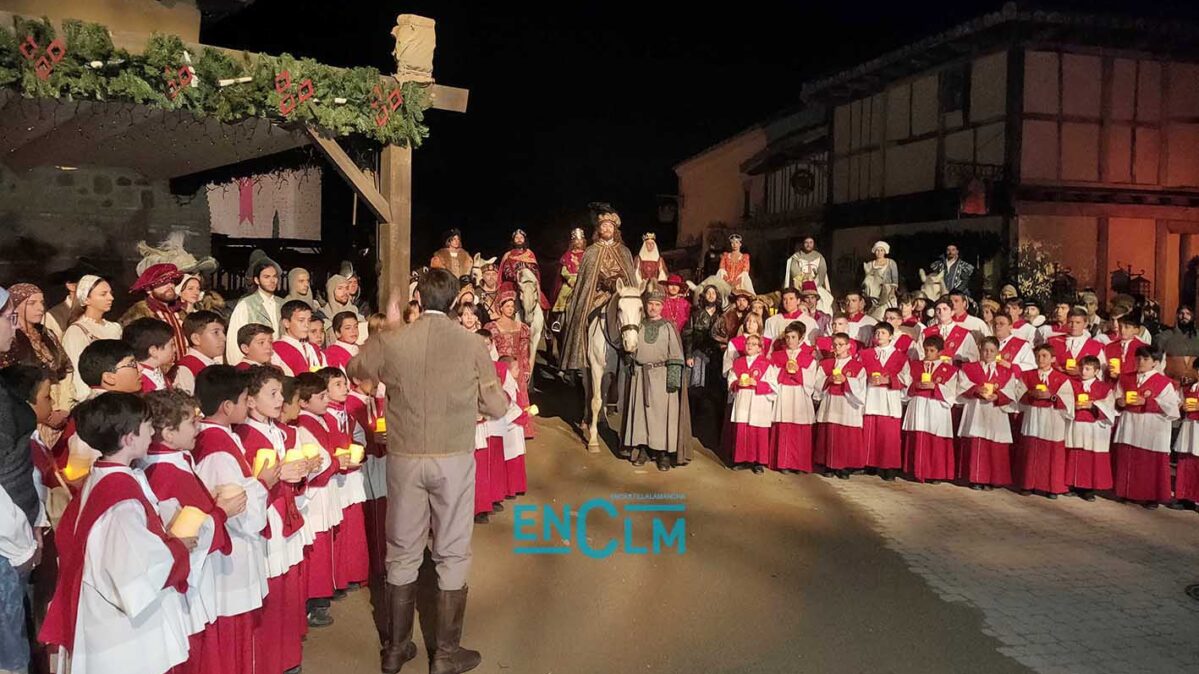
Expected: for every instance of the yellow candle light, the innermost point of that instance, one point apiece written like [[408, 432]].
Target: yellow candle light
[[188, 522], [77, 467], [533, 410], [999, 356], [1042, 387], [1192, 404], [744, 379], [945, 358], [988, 388], [263, 459], [876, 375], [314, 368], [1130, 397], [381, 425], [1083, 398], [836, 372], [1114, 364], [341, 451], [926, 377], [1071, 364], [293, 455], [357, 453], [310, 451]]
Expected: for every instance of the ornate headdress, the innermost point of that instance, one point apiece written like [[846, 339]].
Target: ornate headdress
[[154, 276], [734, 237], [607, 217], [649, 236], [577, 234], [881, 244]]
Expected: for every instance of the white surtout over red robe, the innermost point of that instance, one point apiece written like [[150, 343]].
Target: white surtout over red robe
[[1042, 450], [1142, 440], [839, 443], [883, 415], [1089, 435], [985, 429], [794, 414], [928, 451], [748, 437]]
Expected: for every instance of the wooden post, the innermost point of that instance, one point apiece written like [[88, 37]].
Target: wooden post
[[395, 234]]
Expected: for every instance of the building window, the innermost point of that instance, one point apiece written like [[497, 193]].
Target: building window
[[954, 95]]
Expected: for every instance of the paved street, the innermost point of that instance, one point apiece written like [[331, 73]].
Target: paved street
[[786, 574]]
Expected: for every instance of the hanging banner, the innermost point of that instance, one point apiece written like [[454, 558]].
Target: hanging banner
[[285, 204]]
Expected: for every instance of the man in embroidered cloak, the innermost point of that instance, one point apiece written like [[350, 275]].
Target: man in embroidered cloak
[[452, 257], [605, 261], [158, 282]]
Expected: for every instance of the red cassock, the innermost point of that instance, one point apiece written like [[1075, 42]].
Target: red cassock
[[928, 455], [1043, 459], [1125, 356], [983, 460], [790, 435], [351, 562], [953, 341], [320, 557], [278, 639], [881, 432], [1086, 469], [364, 411], [1186, 479], [839, 446], [749, 442], [1061, 351], [1142, 474], [338, 356]]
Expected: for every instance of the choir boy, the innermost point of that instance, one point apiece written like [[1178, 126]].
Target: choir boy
[[153, 344], [887, 376], [1121, 355], [205, 334], [901, 339], [753, 390], [345, 328], [278, 635], [841, 390], [497, 428], [1089, 433], [928, 454], [792, 311], [256, 342], [221, 464], [170, 470], [838, 324], [791, 433], [860, 325], [1015, 352], [351, 563], [1013, 308], [1069, 349], [324, 502], [957, 341], [1149, 406], [514, 448], [293, 351], [362, 407], [988, 392], [1058, 327], [1046, 405], [1186, 480], [119, 605]]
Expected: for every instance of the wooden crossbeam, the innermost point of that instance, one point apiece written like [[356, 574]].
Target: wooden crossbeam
[[363, 186]]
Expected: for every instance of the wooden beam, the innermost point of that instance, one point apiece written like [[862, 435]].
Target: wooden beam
[[361, 184], [452, 99], [395, 234]]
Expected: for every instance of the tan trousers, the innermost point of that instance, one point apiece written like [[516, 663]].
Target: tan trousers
[[426, 495]]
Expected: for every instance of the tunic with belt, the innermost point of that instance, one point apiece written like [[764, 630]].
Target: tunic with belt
[[653, 413]]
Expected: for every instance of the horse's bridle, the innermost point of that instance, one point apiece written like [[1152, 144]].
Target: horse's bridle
[[616, 299]]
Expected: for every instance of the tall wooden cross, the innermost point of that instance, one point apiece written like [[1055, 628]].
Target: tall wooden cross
[[389, 194]]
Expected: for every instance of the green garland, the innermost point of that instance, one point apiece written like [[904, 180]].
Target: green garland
[[142, 79]]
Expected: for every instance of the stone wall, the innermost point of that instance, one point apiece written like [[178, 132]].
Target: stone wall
[[50, 217]]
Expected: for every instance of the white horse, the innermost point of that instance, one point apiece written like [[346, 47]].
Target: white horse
[[933, 285], [530, 310], [622, 312], [476, 268]]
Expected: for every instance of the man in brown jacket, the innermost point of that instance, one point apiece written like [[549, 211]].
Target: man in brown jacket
[[439, 378]]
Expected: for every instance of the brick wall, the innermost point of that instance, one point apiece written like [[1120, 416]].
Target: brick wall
[[49, 218]]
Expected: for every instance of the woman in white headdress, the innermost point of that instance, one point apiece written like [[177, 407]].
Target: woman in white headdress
[[881, 280], [648, 263], [93, 299]]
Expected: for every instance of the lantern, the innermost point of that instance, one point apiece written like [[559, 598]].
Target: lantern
[[1139, 286]]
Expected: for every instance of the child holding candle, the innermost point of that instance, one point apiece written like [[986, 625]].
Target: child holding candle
[[928, 421], [887, 376], [293, 351], [118, 608], [221, 464], [324, 502], [791, 433], [351, 564], [753, 324], [205, 333], [1046, 404], [988, 393], [1120, 356], [1089, 433], [1149, 405], [1070, 348], [168, 467], [278, 635], [497, 471], [839, 324], [483, 504], [1186, 479], [361, 406], [841, 391], [516, 478], [752, 388], [256, 342], [153, 344]]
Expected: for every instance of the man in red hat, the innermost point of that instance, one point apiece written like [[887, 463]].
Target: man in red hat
[[676, 308], [158, 283]]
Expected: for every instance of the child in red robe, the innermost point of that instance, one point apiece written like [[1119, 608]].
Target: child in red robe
[[205, 333], [1046, 403], [988, 392], [153, 344], [351, 563], [928, 449], [1149, 405], [841, 391], [317, 440], [1186, 481], [1089, 433]]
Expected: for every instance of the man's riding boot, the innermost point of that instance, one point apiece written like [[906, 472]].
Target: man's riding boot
[[399, 649], [450, 657]]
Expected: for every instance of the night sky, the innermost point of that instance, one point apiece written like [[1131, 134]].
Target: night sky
[[573, 104]]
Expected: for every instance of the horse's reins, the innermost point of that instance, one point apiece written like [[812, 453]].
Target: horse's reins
[[613, 304]]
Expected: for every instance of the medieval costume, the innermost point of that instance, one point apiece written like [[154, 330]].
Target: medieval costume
[[957, 273], [167, 311], [514, 342], [881, 280], [486, 297], [1142, 440], [734, 266], [84, 331], [568, 270], [605, 262], [259, 306], [649, 265], [519, 258], [985, 430], [810, 266], [34, 345], [299, 287], [452, 257], [676, 308], [654, 410]]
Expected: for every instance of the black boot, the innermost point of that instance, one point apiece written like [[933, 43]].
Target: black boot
[[663, 461], [450, 657], [401, 606], [889, 474]]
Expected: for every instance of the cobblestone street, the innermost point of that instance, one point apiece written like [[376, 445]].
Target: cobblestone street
[[1065, 586]]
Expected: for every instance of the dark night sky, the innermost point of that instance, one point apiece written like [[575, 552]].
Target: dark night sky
[[594, 102]]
